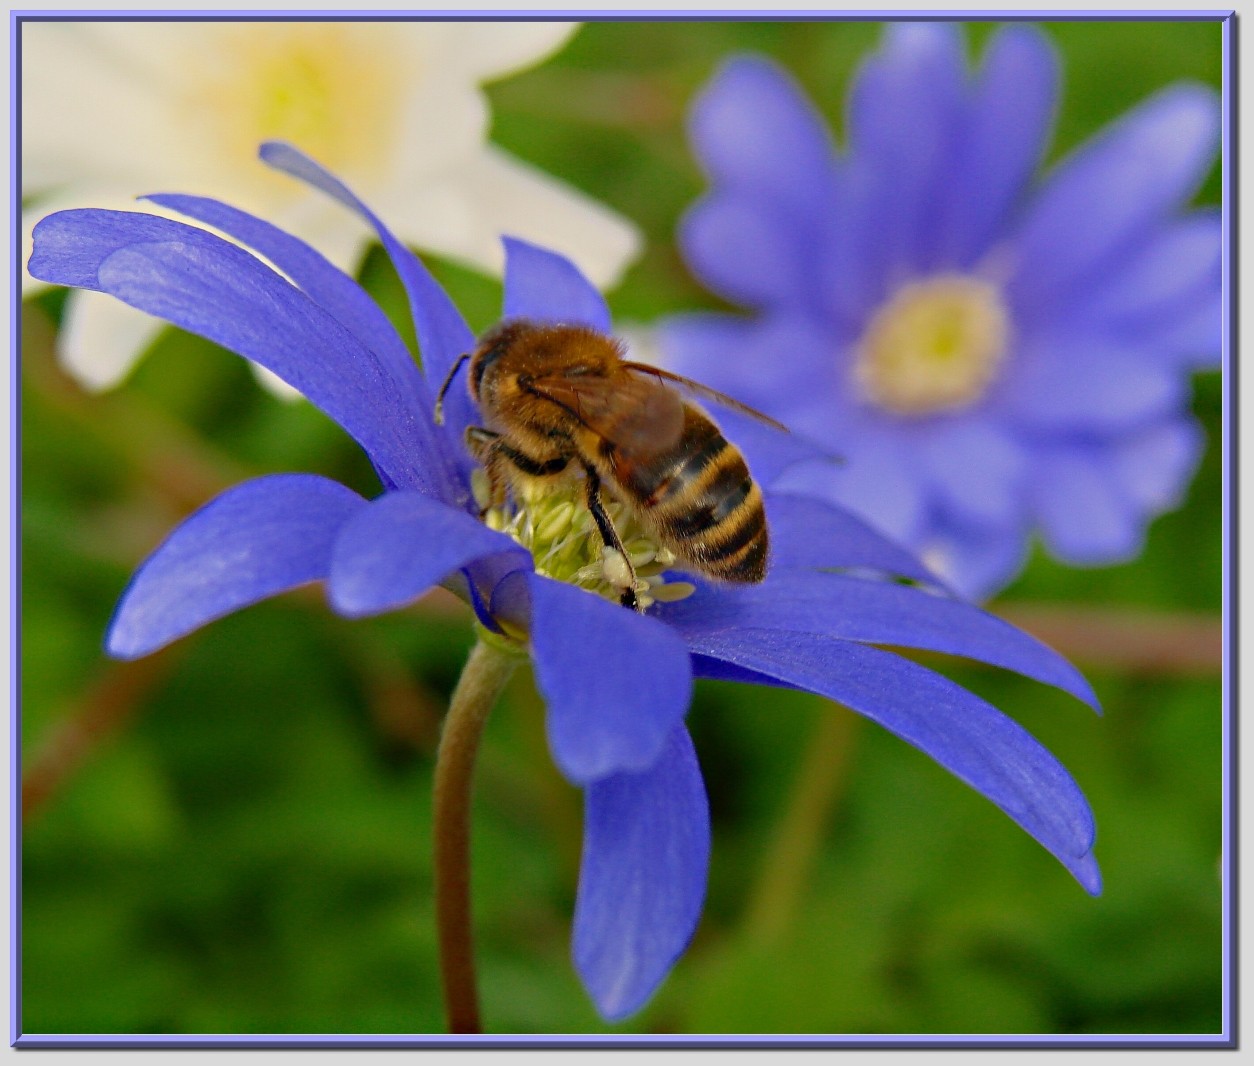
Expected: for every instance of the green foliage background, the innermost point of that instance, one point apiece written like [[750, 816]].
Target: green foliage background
[[244, 846]]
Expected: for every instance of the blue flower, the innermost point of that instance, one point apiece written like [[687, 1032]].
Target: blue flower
[[616, 683], [994, 356]]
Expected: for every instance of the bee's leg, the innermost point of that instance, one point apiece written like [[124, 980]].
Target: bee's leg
[[487, 448], [491, 451], [609, 535]]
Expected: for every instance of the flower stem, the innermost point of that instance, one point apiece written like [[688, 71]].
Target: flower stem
[[484, 676], [816, 792]]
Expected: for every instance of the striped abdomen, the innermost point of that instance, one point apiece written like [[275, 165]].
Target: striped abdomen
[[699, 497]]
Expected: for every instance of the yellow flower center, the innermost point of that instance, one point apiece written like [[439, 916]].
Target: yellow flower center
[[331, 91], [555, 526], [935, 345]]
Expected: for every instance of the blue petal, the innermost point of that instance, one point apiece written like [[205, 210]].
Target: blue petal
[[977, 560], [1085, 515], [1074, 380], [1007, 123], [1174, 278], [642, 877], [976, 468], [756, 133], [809, 534], [1111, 190], [442, 332], [1156, 465], [395, 549], [548, 287], [967, 736], [255, 540], [335, 292], [616, 683], [210, 287], [879, 481], [905, 109], [875, 612], [329, 286], [744, 249]]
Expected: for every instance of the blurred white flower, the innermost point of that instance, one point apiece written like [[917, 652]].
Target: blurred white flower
[[396, 108]]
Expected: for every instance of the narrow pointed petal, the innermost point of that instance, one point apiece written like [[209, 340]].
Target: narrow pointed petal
[[254, 541], [808, 534], [616, 683], [548, 287], [215, 289], [968, 737], [442, 332], [873, 612], [642, 878], [401, 545]]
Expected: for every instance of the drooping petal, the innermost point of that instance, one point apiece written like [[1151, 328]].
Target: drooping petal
[[1111, 190], [616, 683], [401, 545], [1001, 142], [329, 286], [254, 541], [442, 332], [968, 737], [642, 877], [217, 290], [875, 612], [548, 287], [809, 534]]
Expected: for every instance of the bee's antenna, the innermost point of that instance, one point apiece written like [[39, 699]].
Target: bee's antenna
[[439, 400]]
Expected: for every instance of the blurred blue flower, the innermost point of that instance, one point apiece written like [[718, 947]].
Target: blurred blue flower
[[993, 355], [617, 683]]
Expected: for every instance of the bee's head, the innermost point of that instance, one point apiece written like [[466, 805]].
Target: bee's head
[[496, 345]]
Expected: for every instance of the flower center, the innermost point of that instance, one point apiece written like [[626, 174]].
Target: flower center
[[555, 525], [321, 86], [935, 345]]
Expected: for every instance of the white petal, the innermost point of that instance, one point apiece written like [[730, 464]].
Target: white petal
[[492, 49], [467, 212], [101, 338], [85, 114]]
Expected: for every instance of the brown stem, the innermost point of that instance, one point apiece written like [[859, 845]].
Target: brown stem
[[1136, 640], [104, 708], [482, 680], [816, 791]]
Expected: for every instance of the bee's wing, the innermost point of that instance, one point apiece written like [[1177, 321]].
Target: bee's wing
[[635, 414], [704, 391]]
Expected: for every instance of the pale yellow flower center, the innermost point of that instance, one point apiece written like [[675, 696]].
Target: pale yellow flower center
[[332, 92], [935, 345], [555, 526]]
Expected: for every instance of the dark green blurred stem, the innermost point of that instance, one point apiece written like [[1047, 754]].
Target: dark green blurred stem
[[484, 676], [820, 782]]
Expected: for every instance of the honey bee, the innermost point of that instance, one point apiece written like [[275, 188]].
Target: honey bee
[[558, 400]]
